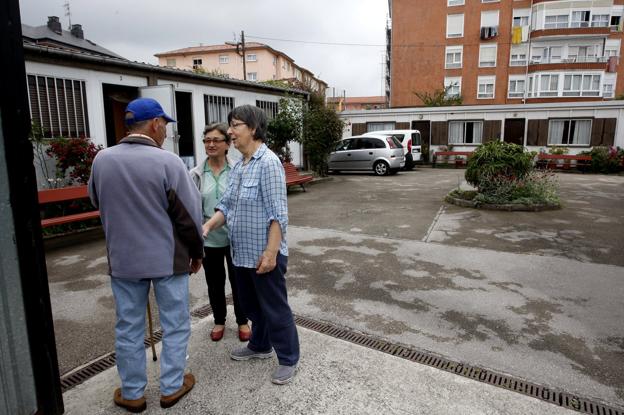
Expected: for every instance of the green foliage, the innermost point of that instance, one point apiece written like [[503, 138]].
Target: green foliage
[[285, 127], [558, 150], [605, 159], [497, 158], [534, 188], [439, 97], [322, 129], [277, 83]]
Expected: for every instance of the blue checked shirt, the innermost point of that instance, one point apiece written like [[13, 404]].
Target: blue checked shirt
[[255, 196]]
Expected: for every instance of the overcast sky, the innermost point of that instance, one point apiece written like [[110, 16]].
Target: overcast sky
[[137, 29]]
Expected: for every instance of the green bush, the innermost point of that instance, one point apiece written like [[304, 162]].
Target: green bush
[[535, 188], [605, 159], [497, 159]]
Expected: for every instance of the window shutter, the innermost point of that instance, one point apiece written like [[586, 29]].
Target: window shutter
[[358, 128], [532, 133], [439, 133], [608, 131], [402, 126], [596, 132], [491, 131], [542, 133]]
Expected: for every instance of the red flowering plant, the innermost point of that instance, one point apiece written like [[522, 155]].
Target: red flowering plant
[[74, 157]]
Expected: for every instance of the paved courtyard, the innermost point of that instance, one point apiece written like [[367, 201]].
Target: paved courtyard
[[536, 295]]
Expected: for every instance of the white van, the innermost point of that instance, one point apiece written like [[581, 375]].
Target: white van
[[411, 144]]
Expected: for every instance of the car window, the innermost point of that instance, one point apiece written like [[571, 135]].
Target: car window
[[397, 142], [399, 137], [377, 143], [416, 139], [363, 143], [344, 145]]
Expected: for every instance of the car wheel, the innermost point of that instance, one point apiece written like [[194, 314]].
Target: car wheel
[[381, 168]]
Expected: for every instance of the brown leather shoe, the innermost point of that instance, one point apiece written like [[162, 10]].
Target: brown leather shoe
[[216, 335], [187, 385], [131, 405]]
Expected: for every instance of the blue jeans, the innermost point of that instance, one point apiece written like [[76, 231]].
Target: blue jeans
[[172, 296], [265, 301]]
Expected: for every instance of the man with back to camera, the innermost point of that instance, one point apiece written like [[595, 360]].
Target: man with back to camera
[[152, 220]]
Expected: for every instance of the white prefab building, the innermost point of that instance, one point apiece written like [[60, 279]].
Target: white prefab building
[[579, 126], [81, 94]]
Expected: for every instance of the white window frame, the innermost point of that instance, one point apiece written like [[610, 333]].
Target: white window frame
[[562, 21], [252, 57], [453, 50], [197, 62], [590, 79], [460, 127], [514, 92], [224, 59], [600, 20], [451, 3], [550, 92], [486, 81], [487, 64], [518, 51], [460, 33], [566, 140], [456, 82], [171, 62], [252, 76], [579, 22], [608, 90]]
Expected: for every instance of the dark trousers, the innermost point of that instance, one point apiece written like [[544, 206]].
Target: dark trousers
[[215, 279], [265, 301]]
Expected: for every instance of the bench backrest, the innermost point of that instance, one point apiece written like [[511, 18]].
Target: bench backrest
[[290, 170], [543, 156], [62, 194], [453, 153]]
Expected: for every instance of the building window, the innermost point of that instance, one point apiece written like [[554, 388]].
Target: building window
[[516, 87], [521, 20], [251, 57], [600, 20], [453, 57], [216, 108], [615, 20], [587, 85], [487, 56], [607, 91], [171, 63], [490, 1], [580, 19], [455, 25], [58, 106], [465, 132], [518, 55], [252, 76], [489, 18], [223, 59], [270, 108], [556, 22], [548, 85], [379, 126], [454, 86], [274, 60], [455, 3], [569, 132], [486, 87]]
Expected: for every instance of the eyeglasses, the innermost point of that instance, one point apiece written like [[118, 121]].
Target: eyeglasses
[[237, 124], [211, 140]]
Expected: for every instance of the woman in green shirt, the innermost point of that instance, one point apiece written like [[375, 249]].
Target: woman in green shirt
[[211, 177]]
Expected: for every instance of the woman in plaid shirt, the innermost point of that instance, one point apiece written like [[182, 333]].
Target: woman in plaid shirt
[[255, 209]]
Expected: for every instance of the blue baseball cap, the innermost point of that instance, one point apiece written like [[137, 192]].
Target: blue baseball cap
[[142, 109]]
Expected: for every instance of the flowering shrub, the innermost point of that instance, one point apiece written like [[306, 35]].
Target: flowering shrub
[[495, 159], [605, 159], [73, 156], [536, 187]]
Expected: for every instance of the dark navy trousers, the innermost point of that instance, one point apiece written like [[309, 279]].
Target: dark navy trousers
[[265, 302]]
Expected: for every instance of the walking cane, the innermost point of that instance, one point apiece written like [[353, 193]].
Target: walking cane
[[151, 330]]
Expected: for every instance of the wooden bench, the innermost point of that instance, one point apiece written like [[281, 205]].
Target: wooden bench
[[564, 161], [62, 195], [293, 177], [459, 160]]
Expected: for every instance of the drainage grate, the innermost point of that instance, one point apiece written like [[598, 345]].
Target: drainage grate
[[543, 393], [554, 396]]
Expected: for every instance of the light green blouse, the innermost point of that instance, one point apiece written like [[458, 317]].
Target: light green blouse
[[212, 189]]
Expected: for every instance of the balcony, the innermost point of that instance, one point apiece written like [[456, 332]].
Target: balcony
[[568, 32], [602, 63]]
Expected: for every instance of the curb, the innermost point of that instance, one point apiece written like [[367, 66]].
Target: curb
[[509, 207]]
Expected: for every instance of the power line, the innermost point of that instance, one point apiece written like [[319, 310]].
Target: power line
[[316, 43]]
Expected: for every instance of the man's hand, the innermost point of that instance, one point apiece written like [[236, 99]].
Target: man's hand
[[267, 262], [195, 265]]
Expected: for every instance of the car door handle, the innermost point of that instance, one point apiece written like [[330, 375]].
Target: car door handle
[[349, 154], [370, 152]]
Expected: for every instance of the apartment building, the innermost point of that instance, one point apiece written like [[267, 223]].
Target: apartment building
[[357, 103], [505, 51], [262, 63]]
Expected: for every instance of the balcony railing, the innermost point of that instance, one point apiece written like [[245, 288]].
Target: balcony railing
[[570, 59]]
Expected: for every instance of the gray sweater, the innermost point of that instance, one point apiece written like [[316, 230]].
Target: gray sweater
[[150, 209]]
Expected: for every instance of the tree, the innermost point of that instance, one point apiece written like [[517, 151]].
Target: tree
[[440, 97], [322, 129], [285, 127]]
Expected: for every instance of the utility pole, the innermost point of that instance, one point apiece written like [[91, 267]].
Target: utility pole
[[240, 51], [68, 13]]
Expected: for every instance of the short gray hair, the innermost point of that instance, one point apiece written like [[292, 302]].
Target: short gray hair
[[253, 116], [221, 127]]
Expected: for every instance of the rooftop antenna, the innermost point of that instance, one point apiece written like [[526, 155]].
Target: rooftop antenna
[[68, 12]]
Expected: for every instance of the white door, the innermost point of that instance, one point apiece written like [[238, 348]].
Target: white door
[[165, 95]]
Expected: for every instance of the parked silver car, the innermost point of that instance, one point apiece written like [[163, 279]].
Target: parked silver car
[[381, 154]]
